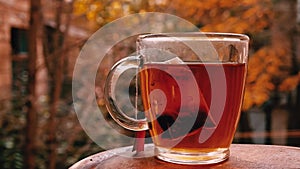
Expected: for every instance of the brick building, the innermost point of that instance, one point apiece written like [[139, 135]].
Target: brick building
[[14, 19]]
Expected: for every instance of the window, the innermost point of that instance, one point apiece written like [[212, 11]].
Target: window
[[19, 41]]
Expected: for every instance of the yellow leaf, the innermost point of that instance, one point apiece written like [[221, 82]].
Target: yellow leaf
[[290, 83]]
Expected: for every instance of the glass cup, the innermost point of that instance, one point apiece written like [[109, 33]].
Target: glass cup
[[192, 86]]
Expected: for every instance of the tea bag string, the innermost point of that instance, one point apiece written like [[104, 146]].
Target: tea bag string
[[139, 142]]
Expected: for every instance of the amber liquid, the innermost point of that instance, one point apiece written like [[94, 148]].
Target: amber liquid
[[178, 102]]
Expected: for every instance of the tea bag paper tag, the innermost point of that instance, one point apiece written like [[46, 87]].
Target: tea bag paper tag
[[175, 60]]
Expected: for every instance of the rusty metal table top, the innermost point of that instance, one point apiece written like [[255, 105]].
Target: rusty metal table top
[[248, 156]]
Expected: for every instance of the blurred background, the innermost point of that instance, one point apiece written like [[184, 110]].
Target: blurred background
[[41, 39]]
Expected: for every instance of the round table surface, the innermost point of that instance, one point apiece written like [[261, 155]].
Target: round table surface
[[246, 156]]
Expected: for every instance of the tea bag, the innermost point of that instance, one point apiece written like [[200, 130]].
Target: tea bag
[[194, 109], [203, 105]]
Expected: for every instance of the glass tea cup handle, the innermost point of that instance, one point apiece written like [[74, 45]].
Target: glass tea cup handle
[[131, 62]]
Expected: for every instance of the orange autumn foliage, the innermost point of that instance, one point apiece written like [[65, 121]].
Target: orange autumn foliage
[[265, 67], [245, 16], [290, 83]]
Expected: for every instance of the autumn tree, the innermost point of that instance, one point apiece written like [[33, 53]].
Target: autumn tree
[[34, 50], [50, 44], [55, 57]]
